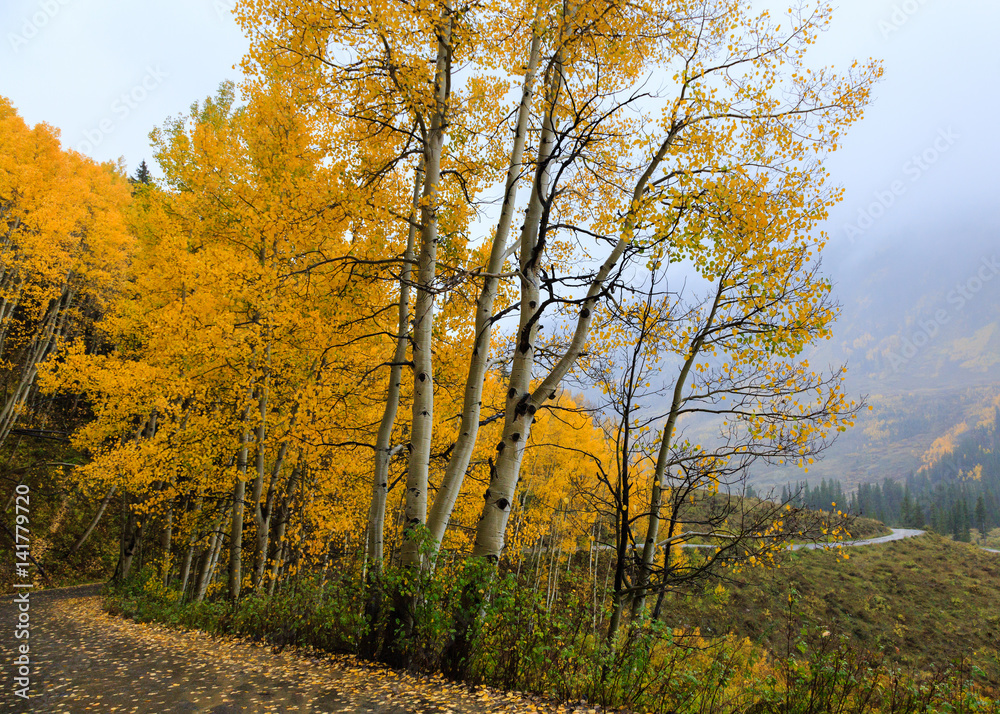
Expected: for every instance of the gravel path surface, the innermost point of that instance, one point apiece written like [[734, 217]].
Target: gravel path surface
[[83, 660]]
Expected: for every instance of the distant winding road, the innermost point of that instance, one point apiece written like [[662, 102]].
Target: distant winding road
[[894, 534]]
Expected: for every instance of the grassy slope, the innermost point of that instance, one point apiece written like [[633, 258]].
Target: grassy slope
[[922, 602], [861, 528]]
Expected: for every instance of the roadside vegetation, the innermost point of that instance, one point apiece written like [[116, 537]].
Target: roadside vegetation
[[908, 626]]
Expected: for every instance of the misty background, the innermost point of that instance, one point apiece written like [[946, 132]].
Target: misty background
[[913, 249]]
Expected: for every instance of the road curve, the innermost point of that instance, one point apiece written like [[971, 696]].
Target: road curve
[[894, 534]]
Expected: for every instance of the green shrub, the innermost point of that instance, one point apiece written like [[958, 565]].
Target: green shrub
[[558, 648]]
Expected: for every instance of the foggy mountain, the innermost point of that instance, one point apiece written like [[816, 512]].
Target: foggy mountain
[[920, 331]]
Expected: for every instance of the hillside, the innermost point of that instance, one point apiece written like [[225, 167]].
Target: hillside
[[922, 602]]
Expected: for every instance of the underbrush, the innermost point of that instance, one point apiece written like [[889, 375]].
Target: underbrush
[[921, 601], [558, 648]]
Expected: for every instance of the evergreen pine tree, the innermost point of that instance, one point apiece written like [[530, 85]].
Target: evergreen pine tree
[[964, 524], [981, 517], [142, 175]]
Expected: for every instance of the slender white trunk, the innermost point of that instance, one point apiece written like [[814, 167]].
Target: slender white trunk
[[186, 568], [444, 500], [42, 345], [130, 540], [260, 542], [211, 560], [165, 543], [383, 442], [239, 497], [12, 298], [500, 494], [422, 427], [93, 523], [201, 577], [189, 554], [279, 540], [264, 530]]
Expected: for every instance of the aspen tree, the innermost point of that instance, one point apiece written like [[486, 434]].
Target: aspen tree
[[63, 245]]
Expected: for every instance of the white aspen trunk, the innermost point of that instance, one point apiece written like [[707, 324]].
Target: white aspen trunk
[[11, 273], [279, 559], [10, 302], [496, 509], [201, 582], [239, 496], [538, 560], [607, 581], [213, 561], [165, 544], [555, 554], [383, 443], [415, 511], [598, 532], [208, 562], [590, 554], [264, 531], [260, 541], [143, 426], [518, 413], [279, 539], [131, 536], [186, 568], [447, 494], [554, 567], [42, 345], [517, 531]]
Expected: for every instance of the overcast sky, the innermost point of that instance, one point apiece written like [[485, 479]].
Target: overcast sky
[[106, 72]]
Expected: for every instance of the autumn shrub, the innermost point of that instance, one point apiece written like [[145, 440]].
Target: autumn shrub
[[559, 650], [144, 598], [141, 597], [529, 642], [321, 613], [827, 675], [558, 646]]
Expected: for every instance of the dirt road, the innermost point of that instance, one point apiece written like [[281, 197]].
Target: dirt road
[[82, 660]]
